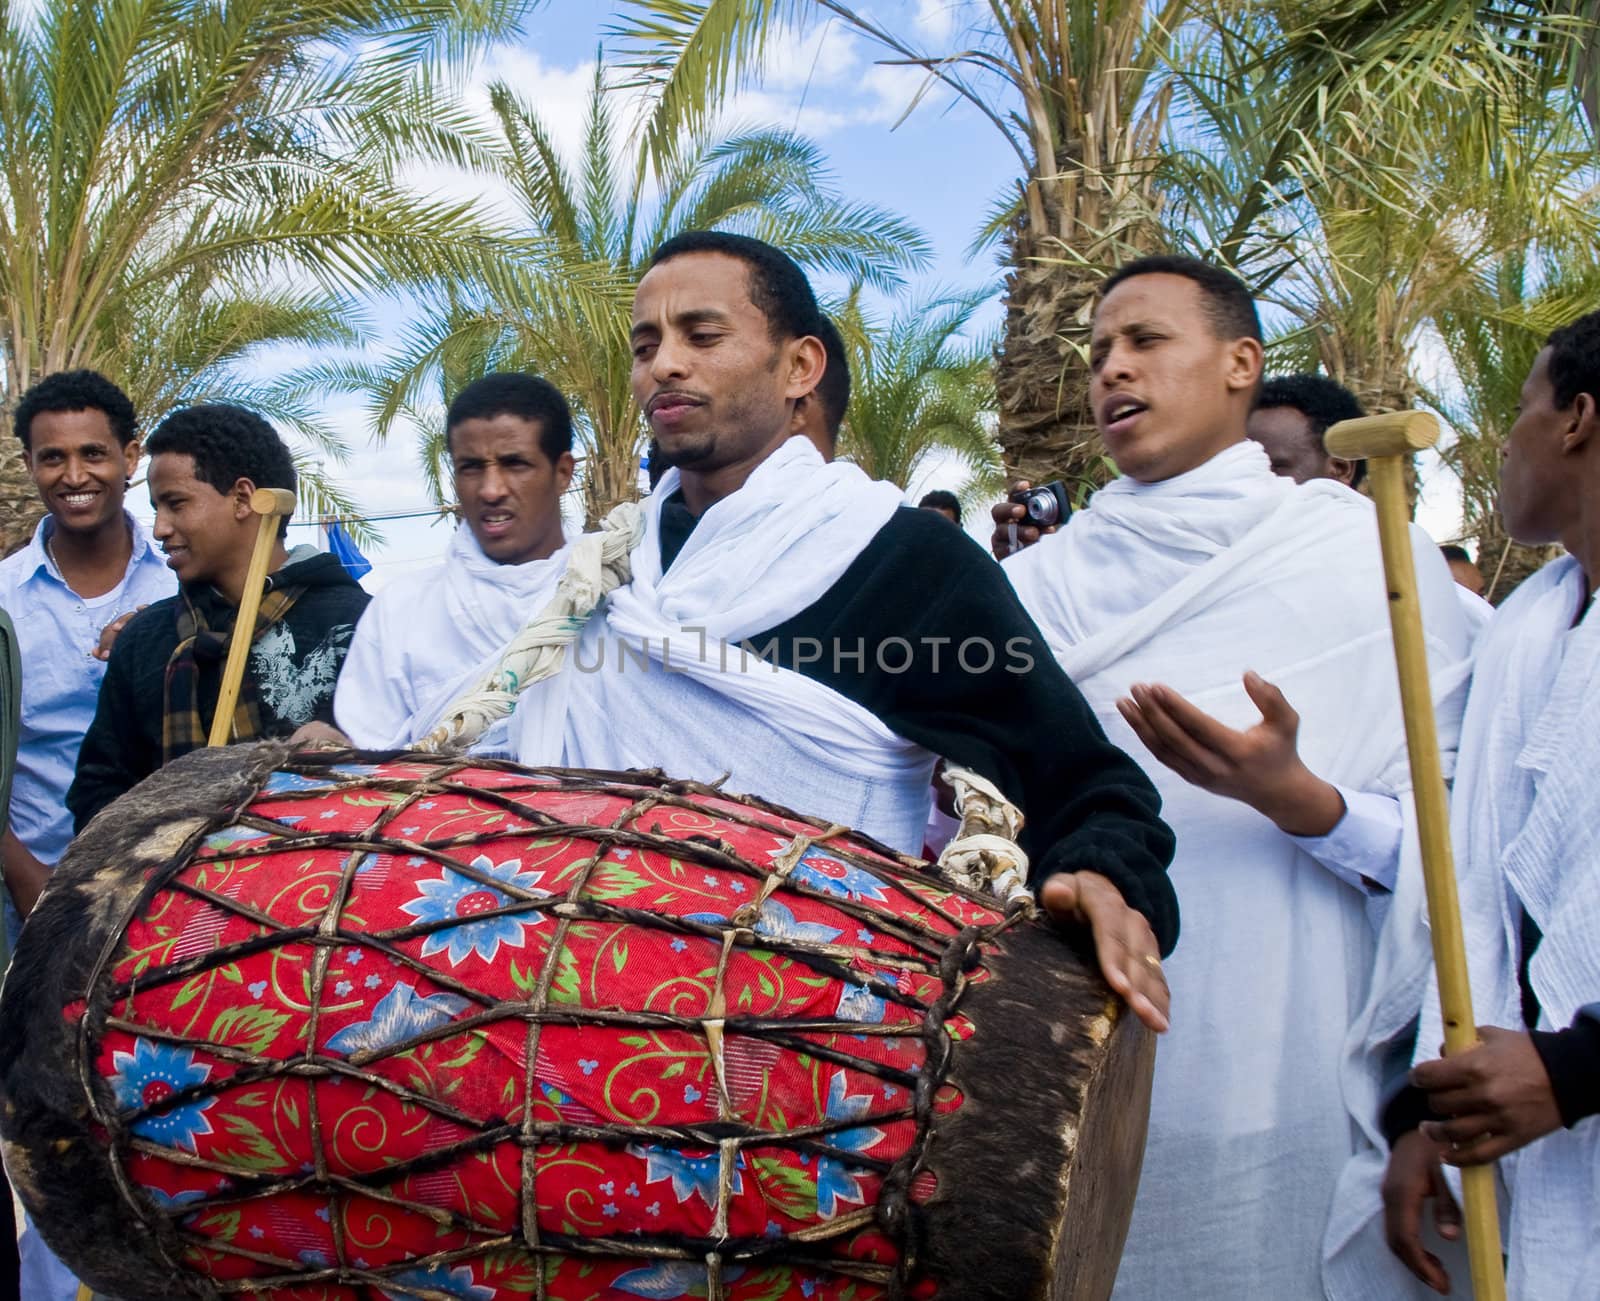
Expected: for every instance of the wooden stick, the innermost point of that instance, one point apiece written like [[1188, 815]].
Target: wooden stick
[[269, 504], [1385, 442]]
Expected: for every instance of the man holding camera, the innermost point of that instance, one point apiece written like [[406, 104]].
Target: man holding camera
[[1202, 570]]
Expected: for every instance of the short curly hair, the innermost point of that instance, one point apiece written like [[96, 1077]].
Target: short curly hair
[[528, 397], [1322, 401], [227, 443], [76, 390], [1575, 360], [778, 287], [1229, 305]]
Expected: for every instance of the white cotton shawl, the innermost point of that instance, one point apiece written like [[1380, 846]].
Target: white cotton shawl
[[427, 637], [1267, 1085], [659, 678], [1526, 826]]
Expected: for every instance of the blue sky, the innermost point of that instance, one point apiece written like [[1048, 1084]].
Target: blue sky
[[942, 167]]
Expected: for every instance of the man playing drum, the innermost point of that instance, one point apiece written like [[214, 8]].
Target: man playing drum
[[791, 624], [1202, 570]]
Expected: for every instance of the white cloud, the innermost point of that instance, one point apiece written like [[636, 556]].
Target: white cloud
[[936, 19]]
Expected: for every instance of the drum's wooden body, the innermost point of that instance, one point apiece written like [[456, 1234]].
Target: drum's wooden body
[[341, 1027]]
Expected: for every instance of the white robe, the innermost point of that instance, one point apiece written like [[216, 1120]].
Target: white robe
[[659, 678], [1266, 1087], [429, 636], [1526, 827]]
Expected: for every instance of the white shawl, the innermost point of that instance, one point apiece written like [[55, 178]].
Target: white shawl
[[1526, 826], [428, 636], [1267, 1085], [659, 678]]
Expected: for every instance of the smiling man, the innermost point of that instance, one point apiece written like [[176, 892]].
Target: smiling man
[[1201, 570], [428, 637], [795, 627], [165, 672], [89, 563]]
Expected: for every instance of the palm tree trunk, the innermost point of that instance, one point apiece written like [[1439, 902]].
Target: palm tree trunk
[[1041, 374], [20, 507]]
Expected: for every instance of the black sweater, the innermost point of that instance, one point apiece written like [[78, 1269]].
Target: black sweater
[[924, 631], [294, 665]]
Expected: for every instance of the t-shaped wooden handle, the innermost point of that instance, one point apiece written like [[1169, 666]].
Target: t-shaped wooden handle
[[1386, 442], [1394, 433]]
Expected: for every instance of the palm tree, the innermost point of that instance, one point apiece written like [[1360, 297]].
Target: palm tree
[[568, 317], [917, 389], [1116, 136], [1071, 88], [166, 167]]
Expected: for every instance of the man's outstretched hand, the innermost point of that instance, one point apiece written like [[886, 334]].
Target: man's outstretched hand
[[1260, 766], [1129, 957]]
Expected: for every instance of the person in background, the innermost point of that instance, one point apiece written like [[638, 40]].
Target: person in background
[[946, 503], [165, 673], [428, 637], [1469, 585], [1462, 567], [1291, 415]]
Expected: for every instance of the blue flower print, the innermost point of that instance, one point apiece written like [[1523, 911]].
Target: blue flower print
[[690, 1175], [822, 871], [835, 1181], [399, 1015], [452, 1281], [280, 782], [147, 1077], [672, 1278], [858, 1003], [454, 896], [777, 921]]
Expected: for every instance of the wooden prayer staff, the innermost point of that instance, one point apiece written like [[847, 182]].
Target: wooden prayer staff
[[1385, 442], [269, 504]]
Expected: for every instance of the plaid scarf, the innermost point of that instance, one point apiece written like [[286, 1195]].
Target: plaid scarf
[[200, 646]]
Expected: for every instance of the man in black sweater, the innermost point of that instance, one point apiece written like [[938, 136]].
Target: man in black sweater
[[917, 627], [161, 685]]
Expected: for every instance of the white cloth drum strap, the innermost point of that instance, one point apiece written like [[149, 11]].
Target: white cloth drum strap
[[984, 854]]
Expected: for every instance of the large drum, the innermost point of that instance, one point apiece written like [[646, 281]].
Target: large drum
[[341, 1027]]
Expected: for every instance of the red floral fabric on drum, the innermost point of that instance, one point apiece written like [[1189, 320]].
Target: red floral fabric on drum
[[424, 1029]]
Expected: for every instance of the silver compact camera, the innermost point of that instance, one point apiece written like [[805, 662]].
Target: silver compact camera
[[1045, 506]]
